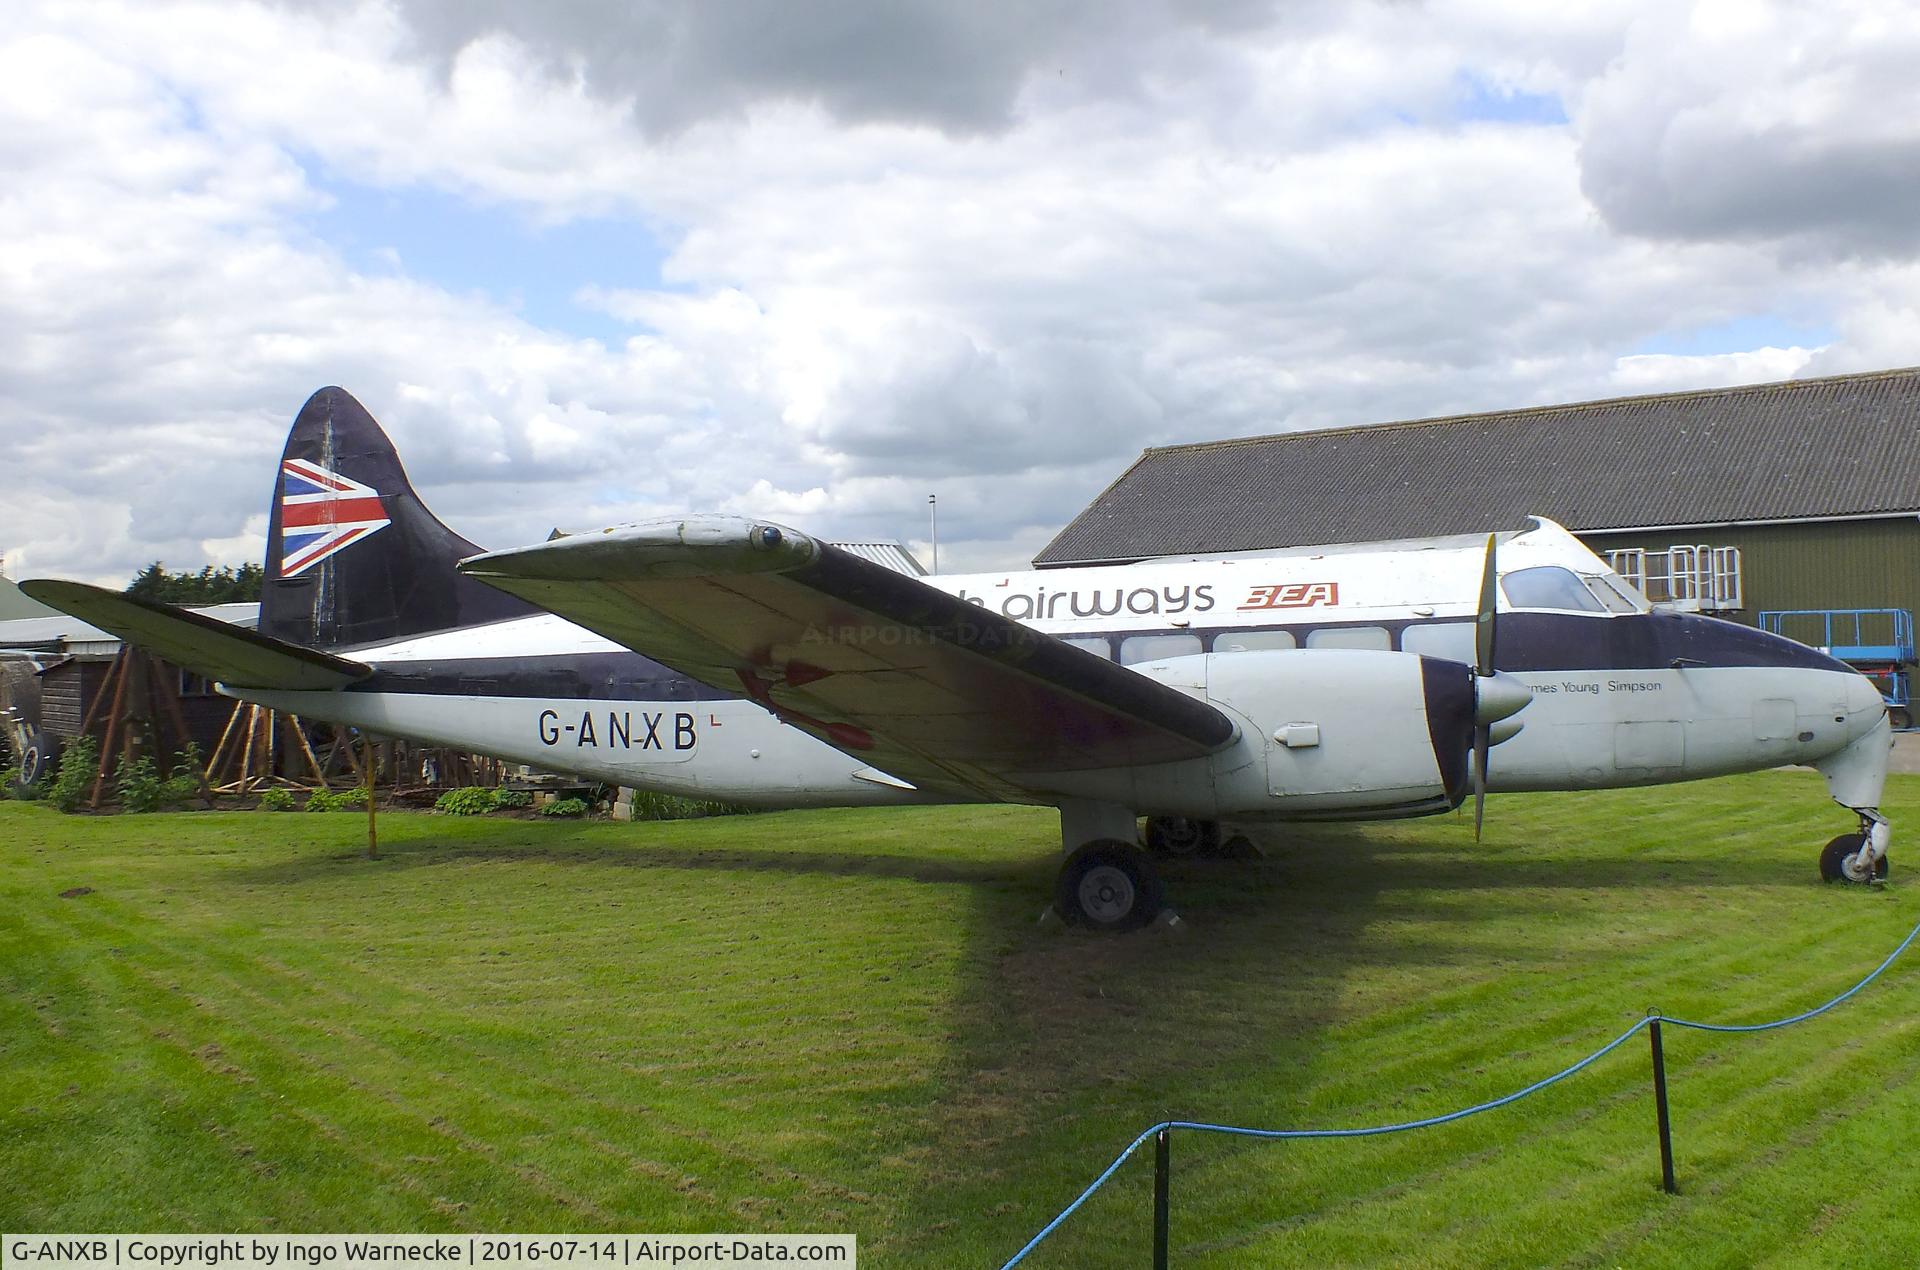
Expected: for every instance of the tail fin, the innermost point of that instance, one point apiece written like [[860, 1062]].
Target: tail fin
[[353, 555]]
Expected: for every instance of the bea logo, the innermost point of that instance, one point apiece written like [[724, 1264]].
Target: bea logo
[[1293, 595]]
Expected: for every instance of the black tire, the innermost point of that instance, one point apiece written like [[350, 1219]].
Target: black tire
[[1900, 718], [1108, 886], [1834, 855], [35, 760], [1182, 836]]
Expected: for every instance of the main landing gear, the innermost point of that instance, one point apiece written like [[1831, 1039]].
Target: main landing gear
[[1108, 885], [1858, 857], [1182, 836], [1108, 882]]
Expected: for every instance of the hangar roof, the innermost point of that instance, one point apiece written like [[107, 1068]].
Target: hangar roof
[[1843, 446], [63, 633], [15, 603], [893, 555]]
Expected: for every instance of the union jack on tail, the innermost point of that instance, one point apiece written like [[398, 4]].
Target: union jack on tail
[[321, 513]]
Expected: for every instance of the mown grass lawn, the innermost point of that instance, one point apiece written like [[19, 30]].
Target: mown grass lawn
[[850, 1021]]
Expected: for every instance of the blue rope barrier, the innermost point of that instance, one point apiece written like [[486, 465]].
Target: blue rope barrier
[[1462, 1113], [1805, 1014]]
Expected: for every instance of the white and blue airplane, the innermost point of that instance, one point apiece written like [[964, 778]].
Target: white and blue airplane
[[735, 659]]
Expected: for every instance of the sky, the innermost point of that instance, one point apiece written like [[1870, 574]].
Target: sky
[[596, 261]]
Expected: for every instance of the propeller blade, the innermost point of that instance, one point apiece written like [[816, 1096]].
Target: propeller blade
[[1483, 623], [1480, 743]]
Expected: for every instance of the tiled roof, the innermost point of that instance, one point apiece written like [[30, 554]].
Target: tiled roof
[[1848, 445]]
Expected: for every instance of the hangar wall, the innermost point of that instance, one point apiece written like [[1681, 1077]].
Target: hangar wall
[[1846, 564]]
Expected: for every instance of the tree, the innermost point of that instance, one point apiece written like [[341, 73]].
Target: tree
[[209, 586]]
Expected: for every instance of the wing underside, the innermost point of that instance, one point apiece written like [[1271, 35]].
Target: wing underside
[[912, 680]]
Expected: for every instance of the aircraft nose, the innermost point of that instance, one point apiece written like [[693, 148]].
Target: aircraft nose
[[1864, 705]]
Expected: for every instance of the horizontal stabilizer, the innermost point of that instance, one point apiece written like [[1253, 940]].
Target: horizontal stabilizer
[[233, 655]]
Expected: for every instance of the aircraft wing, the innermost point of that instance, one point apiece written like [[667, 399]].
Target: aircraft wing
[[928, 687], [233, 655]]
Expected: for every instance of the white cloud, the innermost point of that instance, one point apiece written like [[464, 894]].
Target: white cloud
[[1083, 235], [1670, 372], [1763, 121]]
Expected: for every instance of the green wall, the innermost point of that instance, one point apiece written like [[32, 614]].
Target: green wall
[[1852, 564]]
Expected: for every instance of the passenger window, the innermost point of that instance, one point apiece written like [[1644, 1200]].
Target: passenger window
[[1098, 647], [1253, 641], [1548, 586], [1351, 637], [1450, 640], [1154, 647]]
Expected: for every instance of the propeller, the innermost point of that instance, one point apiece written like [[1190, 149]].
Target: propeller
[[1496, 696]]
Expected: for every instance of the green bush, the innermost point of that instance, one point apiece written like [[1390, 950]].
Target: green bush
[[11, 786], [138, 785], [275, 799], [512, 798], [655, 805], [75, 777], [470, 801], [183, 787], [348, 799], [650, 804], [565, 807]]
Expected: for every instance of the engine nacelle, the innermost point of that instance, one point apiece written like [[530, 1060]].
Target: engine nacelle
[[1329, 733], [1350, 730]]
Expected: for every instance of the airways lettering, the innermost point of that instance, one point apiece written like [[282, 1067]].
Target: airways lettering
[[1045, 605]]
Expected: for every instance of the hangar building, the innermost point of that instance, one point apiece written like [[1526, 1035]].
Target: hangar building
[[1798, 502]]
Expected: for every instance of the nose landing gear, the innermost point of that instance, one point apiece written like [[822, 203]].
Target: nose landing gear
[[1858, 857]]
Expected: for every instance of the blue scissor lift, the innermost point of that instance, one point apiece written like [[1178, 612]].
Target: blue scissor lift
[[1876, 642]]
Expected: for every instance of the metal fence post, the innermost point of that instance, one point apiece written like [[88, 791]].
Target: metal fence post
[[1660, 1108], [1162, 1170]]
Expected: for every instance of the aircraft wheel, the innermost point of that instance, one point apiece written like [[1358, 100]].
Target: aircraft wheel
[[1182, 835], [1109, 886], [35, 757], [1834, 857]]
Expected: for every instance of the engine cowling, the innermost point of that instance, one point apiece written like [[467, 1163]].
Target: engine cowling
[[1323, 734], [1347, 731]]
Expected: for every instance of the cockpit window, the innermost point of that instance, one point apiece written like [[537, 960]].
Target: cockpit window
[[1612, 593], [1549, 586]]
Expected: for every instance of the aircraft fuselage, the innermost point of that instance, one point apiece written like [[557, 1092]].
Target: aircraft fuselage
[[1621, 695]]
